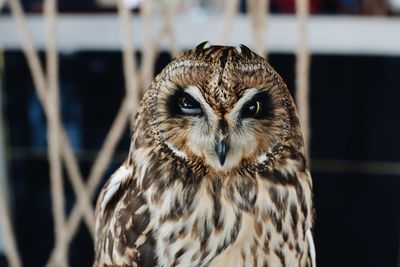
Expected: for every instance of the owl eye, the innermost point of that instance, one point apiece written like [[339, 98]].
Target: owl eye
[[260, 107], [189, 106], [252, 109], [183, 104]]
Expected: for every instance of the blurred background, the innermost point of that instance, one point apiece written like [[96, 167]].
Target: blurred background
[[354, 113]]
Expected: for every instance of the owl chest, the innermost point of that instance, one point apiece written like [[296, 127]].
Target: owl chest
[[260, 244], [209, 233]]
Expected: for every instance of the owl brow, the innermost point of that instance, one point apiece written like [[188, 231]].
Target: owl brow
[[247, 96], [195, 92]]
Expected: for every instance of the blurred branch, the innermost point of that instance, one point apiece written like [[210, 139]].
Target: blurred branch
[[2, 4], [7, 232], [230, 11], [303, 73], [259, 16]]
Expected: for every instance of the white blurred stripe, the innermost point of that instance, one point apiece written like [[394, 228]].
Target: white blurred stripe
[[326, 34]]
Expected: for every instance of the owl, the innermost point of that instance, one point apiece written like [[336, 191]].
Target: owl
[[216, 173]]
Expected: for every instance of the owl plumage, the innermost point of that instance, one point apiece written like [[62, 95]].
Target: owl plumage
[[216, 174]]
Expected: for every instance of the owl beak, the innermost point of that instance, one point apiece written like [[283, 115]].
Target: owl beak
[[222, 150]]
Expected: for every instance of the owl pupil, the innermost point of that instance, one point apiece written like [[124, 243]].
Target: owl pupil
[[186, 103], [252, 109], [182, 103], [260, 107], [189, 106]]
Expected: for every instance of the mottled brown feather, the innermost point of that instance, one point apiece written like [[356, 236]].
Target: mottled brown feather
[[172, 203]]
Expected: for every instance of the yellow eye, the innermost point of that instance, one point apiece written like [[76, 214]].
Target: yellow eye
[[258, 107], [253, 109]]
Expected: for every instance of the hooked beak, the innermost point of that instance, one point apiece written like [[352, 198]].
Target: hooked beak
[[222, 150]]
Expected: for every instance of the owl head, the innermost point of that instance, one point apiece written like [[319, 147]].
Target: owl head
[[222, 107]]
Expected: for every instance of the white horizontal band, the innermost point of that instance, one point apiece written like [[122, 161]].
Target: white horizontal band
[[326, 34]]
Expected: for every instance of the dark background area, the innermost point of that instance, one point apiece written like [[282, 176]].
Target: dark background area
[[354, 117]]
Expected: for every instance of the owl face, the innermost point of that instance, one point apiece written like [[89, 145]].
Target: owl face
[[220, 106]]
